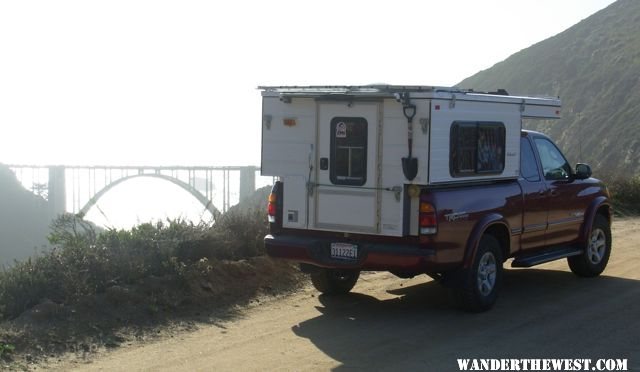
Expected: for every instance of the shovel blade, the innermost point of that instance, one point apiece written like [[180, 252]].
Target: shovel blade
[[410, 168]]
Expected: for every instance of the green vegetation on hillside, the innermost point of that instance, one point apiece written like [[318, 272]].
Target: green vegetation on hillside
[[594, 67]]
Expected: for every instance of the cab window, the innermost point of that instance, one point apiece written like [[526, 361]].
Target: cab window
[[554, 165], [528, 163]]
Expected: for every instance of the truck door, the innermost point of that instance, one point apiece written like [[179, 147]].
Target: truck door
[[565, 206], [534, 192], [346, 195]]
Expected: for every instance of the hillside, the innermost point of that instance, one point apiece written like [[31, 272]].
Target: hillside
[[594, 67], [24, 219]]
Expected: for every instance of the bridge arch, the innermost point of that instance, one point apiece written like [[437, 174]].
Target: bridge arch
[[185, 186]]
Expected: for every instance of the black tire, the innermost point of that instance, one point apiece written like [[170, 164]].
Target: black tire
[[479, 284], [334, 281], [596, 252]]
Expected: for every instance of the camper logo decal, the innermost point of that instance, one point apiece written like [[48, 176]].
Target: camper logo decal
[[341, 130]]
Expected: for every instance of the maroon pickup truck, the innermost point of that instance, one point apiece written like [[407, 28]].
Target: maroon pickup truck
[[467, 231]]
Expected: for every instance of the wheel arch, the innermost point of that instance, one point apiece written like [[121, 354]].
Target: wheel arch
[[495, 225], [599, 206]]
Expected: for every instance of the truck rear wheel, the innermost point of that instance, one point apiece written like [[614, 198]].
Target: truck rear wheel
[[596, 254], [478, 290], [334, 281]]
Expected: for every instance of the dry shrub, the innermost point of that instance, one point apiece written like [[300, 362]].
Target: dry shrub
[[241, 233], [83, 263], [625, 195]]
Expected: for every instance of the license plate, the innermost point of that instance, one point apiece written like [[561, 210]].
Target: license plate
[[344, 251]]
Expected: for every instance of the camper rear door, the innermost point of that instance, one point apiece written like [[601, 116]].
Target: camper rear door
[[346, 197]]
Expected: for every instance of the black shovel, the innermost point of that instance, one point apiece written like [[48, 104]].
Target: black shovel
[[410, 164]]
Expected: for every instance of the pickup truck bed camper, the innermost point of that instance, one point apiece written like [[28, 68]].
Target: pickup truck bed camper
[[424, 180]]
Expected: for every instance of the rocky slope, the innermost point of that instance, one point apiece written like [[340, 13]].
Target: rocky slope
[[594, 67]]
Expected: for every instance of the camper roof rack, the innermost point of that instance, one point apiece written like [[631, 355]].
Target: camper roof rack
[[287, 92], [355, 89]]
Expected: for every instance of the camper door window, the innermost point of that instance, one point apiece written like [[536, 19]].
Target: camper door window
[[348, 163], [476, 148]]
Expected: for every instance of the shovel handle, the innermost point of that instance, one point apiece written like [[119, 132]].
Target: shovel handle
[[409, 112]]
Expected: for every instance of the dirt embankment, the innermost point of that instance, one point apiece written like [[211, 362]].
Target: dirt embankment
[[210, 292], [394, 324]]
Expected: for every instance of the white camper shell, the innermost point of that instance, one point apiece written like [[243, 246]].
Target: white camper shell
[[347, 154]]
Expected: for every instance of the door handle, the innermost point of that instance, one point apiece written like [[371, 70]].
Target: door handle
[[324, 163], [542, 192]]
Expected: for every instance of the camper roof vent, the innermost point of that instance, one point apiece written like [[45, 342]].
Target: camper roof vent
[[500, 92]]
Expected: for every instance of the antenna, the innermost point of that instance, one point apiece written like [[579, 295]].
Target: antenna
[[580, 137]]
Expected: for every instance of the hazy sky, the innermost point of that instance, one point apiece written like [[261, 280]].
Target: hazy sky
[[173, 82]]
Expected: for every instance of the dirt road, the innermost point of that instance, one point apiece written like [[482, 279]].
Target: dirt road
[[394, 324]]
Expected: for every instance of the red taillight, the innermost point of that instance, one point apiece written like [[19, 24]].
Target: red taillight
[[272, 208], [428, 220]]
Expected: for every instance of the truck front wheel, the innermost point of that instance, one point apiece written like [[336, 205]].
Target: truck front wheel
[[596, 254], [478, 290], [334, 281]]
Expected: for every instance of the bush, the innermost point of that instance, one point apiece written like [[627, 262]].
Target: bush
[[241, 233], [84, 263], [625, 195]]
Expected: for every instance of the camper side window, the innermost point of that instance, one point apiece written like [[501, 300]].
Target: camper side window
[[476, 148], [348, 151]]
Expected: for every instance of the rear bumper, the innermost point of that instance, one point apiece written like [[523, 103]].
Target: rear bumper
[[371, 256]]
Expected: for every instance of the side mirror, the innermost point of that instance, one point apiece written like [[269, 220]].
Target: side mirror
[[583, 171]]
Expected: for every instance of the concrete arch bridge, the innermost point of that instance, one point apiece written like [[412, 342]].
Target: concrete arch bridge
[[76, 189]]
